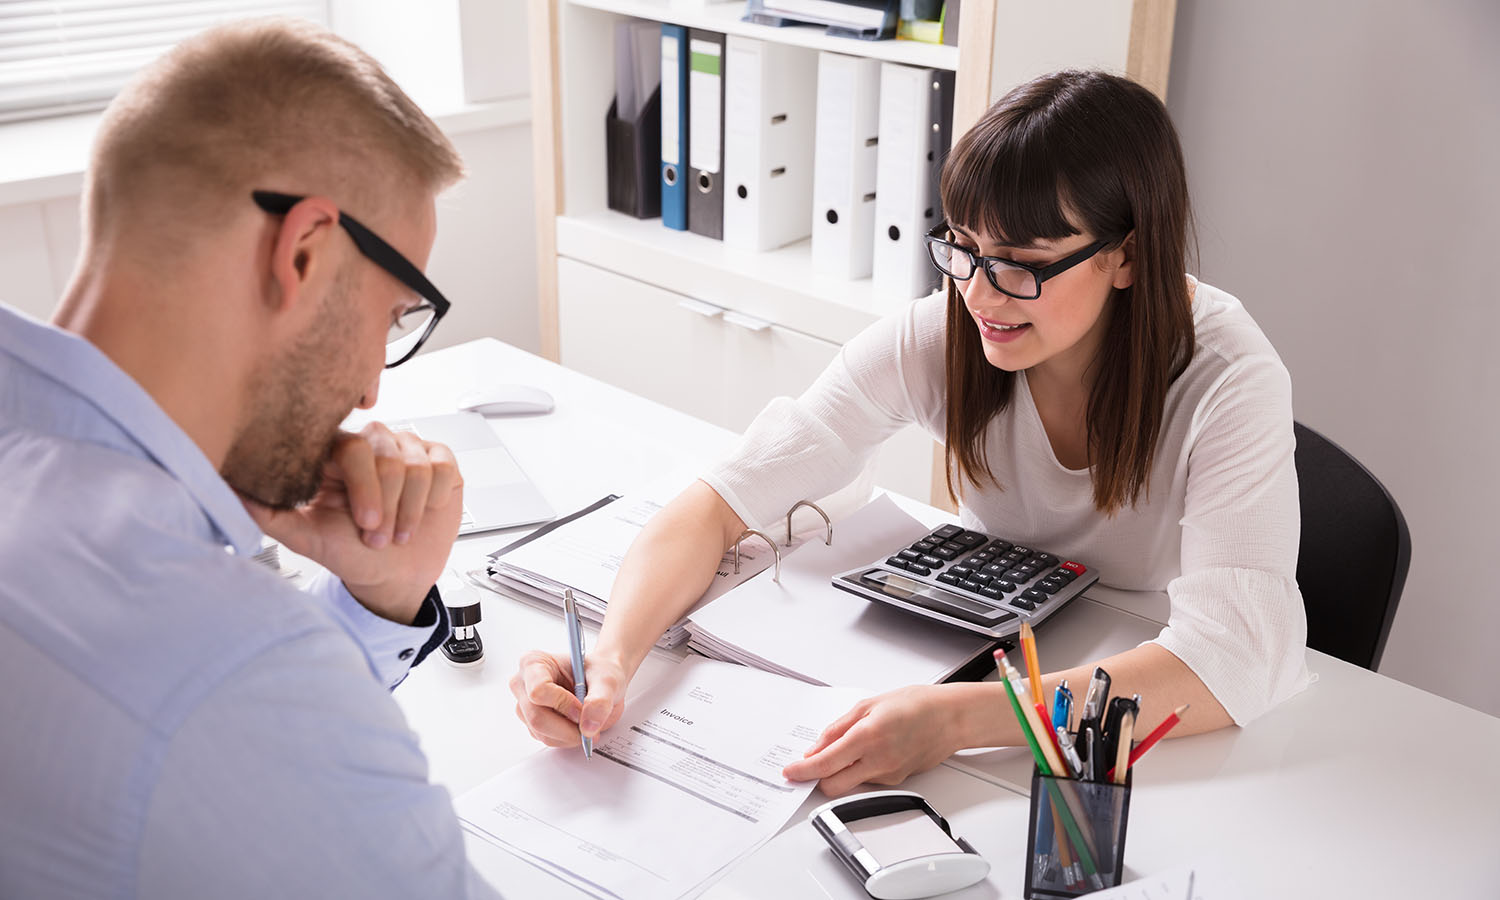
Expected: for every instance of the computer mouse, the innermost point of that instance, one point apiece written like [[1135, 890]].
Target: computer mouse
[[507, 400]]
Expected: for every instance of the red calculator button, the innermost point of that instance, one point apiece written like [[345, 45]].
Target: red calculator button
[[1075, 568]]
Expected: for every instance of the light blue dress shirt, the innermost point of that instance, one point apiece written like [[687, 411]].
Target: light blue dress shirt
[[175, 719]]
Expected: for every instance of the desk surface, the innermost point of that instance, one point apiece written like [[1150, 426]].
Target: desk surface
[[1328, 795]]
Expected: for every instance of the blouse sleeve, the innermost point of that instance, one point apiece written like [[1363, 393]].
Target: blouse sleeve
[[1236, 613], [888, 376]]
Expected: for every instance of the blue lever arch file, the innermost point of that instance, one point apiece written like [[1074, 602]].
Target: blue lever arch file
[[674, 126]]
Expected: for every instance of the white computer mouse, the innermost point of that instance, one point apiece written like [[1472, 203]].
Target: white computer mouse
[[507, 400]]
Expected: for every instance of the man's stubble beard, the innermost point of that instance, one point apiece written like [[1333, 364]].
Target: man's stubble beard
[[298, 401]]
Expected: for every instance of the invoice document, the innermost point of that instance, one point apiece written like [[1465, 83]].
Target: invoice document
[[687, 782]]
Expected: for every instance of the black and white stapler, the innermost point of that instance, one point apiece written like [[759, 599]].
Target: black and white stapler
[[463, 647]]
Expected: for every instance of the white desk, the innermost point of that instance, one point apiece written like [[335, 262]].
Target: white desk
[[1330, 795]]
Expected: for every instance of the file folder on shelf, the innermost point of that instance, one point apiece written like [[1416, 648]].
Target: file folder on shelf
[[706, 133], [674, 126], [868, 20], [632, 149], [916, 120], [844, 161], [768, 143]]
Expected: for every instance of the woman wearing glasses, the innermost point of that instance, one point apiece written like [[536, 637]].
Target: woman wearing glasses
[[1091, 396]]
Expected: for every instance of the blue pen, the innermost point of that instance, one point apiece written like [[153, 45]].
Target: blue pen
[[1062, 705], [575, 650]]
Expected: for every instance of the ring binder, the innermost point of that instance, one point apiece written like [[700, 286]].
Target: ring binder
[[828, 541], [776, 551]]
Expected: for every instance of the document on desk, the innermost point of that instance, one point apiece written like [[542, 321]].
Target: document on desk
[[686, 783]]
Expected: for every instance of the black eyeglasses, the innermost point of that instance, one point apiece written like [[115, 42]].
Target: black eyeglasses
[[414, 326], [1009, 277]]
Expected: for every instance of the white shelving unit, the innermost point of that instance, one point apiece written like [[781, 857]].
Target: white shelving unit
[[715, 331]]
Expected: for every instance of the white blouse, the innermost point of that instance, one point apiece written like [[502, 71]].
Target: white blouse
[[1217, 534]]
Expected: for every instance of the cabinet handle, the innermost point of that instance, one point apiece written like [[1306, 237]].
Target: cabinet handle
[[749, 323], [706, 310]]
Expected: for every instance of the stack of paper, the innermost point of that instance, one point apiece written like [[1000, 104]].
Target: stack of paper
[[807, 629], [686, 783], [585, 554]]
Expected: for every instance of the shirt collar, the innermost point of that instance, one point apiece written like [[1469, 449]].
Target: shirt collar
[[104, 390]]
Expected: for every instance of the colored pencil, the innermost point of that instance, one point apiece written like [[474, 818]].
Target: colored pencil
[[1033, 664], [1156, 734], [1015, 705], [1033, 724], [1122, 752]]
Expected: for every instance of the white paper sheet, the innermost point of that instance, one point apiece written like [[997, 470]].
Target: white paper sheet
[[687, 782], [1180, 883], [806, 628]]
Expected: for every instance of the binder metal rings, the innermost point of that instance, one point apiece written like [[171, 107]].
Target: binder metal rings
[[776, 551], [705, 182], [815, 508], [669, 175]]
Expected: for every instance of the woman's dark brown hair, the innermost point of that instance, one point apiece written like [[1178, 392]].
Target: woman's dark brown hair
[[1065, 154]]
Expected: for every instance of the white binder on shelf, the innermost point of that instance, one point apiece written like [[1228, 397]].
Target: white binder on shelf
[[768, 142], [844, 163], [916, 115]]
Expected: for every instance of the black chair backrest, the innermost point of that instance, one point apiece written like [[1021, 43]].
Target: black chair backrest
[[1355, 550]]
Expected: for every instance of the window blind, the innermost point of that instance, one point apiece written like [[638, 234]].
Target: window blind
[[67, 56]]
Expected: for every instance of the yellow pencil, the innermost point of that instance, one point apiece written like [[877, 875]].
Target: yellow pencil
[[1033, 664], [1122, 752]]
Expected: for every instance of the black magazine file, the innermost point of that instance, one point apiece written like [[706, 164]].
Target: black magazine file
[[633, 155]]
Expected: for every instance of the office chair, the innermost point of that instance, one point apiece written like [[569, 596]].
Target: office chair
[[1354, 553]]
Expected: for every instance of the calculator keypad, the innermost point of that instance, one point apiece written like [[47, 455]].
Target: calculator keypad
[[991, 569]]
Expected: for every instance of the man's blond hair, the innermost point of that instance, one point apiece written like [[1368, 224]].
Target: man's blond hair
[[274, 104]]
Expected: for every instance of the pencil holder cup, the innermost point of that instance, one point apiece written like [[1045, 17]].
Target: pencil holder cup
[[1075, 843]]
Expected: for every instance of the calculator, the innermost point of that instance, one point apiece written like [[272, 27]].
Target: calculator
[[971, 580]]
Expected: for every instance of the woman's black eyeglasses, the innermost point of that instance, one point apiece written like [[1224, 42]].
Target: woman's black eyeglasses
[[412, 329], [1009, 277]]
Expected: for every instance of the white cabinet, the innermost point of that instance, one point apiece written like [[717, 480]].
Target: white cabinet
[[718, 364]]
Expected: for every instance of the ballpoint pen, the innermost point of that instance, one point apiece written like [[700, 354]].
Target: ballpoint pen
[[575, 650], [1069, 752], [1098, 693], [1062, 705], [1110, 734], [1090, 719]]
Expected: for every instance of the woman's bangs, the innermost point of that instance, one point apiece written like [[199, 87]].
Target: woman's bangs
[[1001, 181]]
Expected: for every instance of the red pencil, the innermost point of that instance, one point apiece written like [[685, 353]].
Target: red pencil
[[1157, 734]]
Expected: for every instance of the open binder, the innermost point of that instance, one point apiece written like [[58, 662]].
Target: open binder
[[790, 620]]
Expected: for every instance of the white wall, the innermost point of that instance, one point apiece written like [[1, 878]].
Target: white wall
[[484, 260], [1345, 163]]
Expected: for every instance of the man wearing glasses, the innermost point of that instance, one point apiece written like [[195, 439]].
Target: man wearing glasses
[[180, 722]]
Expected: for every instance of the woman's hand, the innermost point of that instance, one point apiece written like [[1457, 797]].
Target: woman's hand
[[883, 740], [543, 687]]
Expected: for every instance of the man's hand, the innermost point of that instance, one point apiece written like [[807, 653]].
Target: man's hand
[[383, 521]]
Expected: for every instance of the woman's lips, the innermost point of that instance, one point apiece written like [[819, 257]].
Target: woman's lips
[[1001, 332]]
